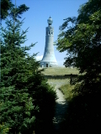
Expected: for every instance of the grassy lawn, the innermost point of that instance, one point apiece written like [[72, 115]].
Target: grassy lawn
[[59, 71]]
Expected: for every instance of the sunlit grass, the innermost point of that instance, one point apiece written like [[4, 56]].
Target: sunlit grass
[[67, 90], [59, 71]]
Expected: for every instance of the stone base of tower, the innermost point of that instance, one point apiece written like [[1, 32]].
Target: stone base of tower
[[48, 64]]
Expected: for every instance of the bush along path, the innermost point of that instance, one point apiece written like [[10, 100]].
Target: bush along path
[[61, 107]]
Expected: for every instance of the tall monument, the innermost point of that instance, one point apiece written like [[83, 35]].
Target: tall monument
[[49, 59]]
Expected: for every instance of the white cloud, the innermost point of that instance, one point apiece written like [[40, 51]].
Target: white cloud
[[38, 58]]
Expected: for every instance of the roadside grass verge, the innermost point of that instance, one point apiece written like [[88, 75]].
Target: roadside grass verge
[[67, 90]]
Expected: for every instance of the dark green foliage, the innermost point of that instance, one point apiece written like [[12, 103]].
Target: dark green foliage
[[26, 100], [87, 9], [16, 12], [81, 38], [5, 6], [83, 115], [82, 41], [8, 9]]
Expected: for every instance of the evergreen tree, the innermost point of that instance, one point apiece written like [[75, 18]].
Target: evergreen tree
[[7, 7], [26, 100]]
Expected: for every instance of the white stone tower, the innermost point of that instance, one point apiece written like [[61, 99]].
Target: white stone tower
[[49, 59]]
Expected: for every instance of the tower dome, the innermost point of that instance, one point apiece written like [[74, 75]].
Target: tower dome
[[50, 21]]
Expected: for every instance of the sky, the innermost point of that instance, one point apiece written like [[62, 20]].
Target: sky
[[36, 19]]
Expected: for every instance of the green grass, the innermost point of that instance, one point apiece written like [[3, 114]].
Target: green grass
[[59, 71], [67, 91]]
